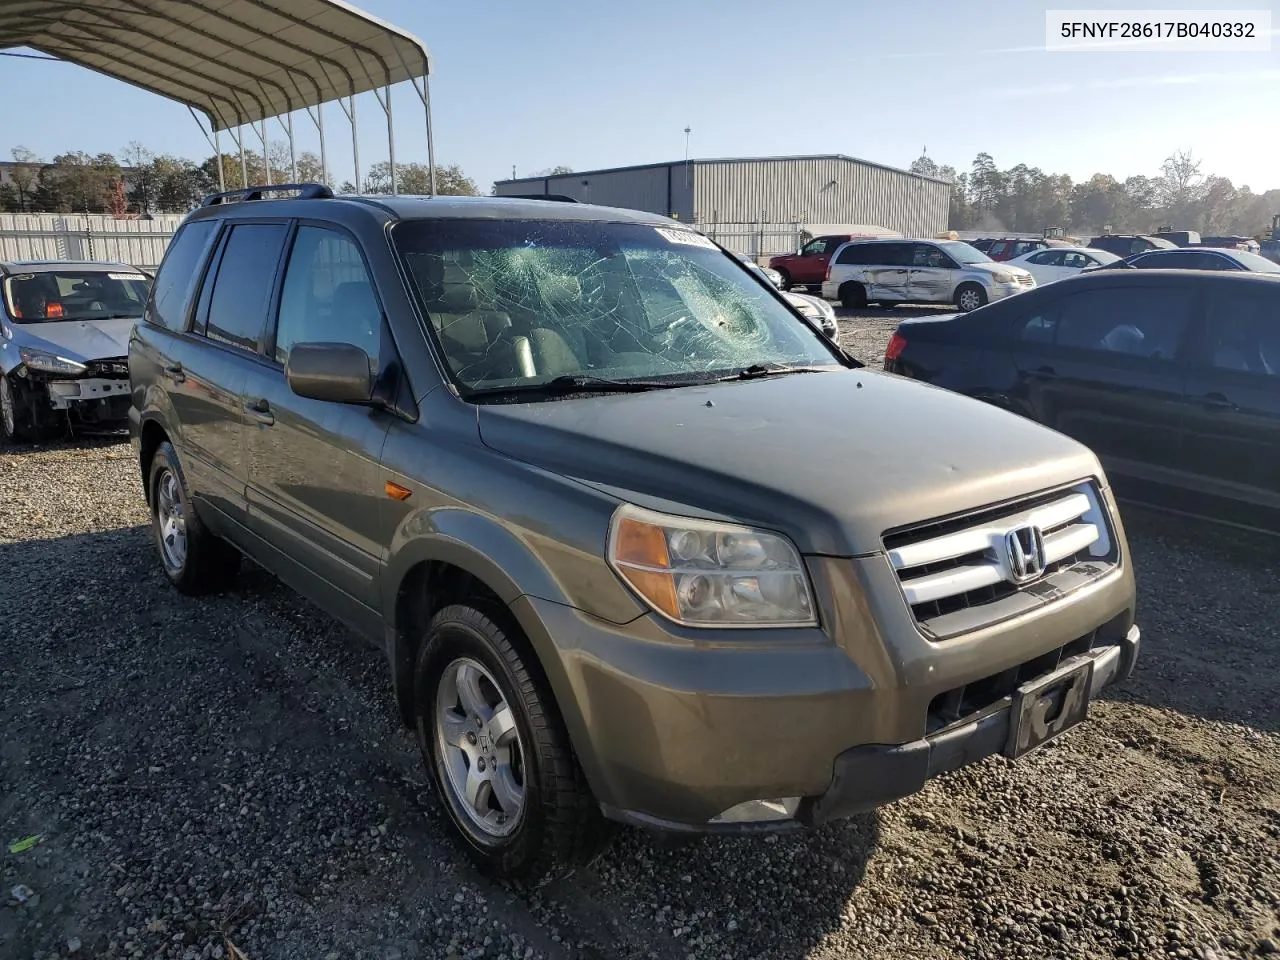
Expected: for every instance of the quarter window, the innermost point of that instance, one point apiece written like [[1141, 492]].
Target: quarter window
[[171, 292], [328, 296]]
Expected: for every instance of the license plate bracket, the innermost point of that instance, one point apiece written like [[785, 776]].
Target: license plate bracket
[[1048, 706]]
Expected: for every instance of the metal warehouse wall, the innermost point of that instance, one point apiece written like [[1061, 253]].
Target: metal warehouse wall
[[659, 189], [820, 190]]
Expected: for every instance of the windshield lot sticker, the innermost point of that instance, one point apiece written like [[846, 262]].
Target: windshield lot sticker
[[126, 276], [686, 237]]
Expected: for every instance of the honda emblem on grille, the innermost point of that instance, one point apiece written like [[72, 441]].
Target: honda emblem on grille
[[1024, 548]]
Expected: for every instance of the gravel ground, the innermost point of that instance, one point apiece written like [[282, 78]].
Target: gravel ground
[[231, 772]]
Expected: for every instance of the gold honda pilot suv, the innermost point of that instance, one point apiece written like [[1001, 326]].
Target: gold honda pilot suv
[[575, 470]]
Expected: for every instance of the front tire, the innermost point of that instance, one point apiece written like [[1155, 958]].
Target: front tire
[[786, 280], [497, 750], [970, 296], [194, 560], [15, 413]]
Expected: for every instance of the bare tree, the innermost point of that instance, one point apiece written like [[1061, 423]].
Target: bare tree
[[24, 175]]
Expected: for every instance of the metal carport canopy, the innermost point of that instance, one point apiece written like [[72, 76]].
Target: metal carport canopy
[[237, 61]]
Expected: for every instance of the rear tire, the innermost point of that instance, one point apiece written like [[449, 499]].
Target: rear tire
[[970, 296], [194, 559], [497, 751], [853, 296]]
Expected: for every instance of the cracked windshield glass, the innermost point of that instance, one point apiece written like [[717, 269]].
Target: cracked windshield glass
[[519, 303]]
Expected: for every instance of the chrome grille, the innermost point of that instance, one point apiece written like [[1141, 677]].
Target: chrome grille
[[962, 573], [1026, 280]]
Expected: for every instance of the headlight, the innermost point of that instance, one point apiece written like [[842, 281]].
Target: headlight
[[825, 309], [50, 363], [709, 574], [1001, 277]]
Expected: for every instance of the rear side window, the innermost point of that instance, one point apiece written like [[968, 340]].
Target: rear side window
[[1048, 258], [171, 292], [1144, 322], [328, 296], [242, 288], [1242, 332]]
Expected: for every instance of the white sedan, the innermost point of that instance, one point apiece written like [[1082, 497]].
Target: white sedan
[[1056, 263]]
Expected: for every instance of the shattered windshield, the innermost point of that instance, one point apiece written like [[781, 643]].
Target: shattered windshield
[[74, 295], [522, 302]]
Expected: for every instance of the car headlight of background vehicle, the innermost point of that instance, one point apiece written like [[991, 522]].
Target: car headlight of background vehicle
[[705, 574], [1001, 276], [49, 362]]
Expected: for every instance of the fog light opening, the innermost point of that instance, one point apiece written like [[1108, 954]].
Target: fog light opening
[[760, 811]]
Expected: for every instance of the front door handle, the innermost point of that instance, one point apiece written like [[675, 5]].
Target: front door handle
[[1216, 401], [260, 410], [174, 372]]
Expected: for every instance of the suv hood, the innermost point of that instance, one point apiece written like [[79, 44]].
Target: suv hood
[[1002, 266], [78, 339], [770, 452]]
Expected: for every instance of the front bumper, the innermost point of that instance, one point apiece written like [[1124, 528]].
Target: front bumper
[[870, 776], [1000, 291], [675, 727]]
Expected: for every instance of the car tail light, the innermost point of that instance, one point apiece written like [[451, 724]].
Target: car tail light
[[896, 345]]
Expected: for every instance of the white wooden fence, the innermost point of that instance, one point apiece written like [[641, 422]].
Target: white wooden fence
[[53, 236]]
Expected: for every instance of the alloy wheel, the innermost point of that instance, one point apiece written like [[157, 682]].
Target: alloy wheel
[[480, 750], [171, 521]]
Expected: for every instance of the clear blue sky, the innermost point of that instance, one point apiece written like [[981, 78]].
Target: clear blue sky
[[605, 84]]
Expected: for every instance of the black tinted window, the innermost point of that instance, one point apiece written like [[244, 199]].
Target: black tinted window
[[172, 288], [1242, 332], [1171, 260], [327, 296], [1142, 322], [890, 254], [853, 254], [242, 288]]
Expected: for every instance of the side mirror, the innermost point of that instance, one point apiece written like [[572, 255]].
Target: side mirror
[[335, 372]]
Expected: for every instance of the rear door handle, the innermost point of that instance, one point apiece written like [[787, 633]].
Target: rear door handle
[[174, 372], [1216, 401], [260, 411]]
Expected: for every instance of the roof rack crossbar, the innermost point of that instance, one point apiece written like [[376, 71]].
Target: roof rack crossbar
[[304, 191]]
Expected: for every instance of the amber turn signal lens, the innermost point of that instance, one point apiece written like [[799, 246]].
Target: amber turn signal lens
[[397, 492], [642, 544]]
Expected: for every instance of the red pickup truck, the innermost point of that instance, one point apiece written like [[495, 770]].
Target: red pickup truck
[[808, 268]]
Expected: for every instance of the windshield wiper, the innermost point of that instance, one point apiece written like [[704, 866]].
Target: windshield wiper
[[573, 384], [757, 370]]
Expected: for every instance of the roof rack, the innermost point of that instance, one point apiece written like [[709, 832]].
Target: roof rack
[[304, 191], [554, 197]]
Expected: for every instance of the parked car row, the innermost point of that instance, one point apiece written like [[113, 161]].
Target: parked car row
[[1171, 376], [575, 471]]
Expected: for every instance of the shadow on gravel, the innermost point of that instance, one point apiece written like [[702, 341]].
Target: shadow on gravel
[[1209, 609], [715, 897]]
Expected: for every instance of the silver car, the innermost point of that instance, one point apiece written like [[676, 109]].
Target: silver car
[[817, 311], [64, 343], [890, 272]]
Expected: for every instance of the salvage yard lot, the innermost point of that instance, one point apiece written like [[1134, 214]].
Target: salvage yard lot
[[232, 771]]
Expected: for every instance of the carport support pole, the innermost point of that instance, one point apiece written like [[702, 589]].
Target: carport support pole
[[355, 141], [293, 154], [324, 153], [431, 146], [217, 156], [391, 140]]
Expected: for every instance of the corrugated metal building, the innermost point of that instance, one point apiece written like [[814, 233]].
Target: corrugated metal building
[[759, 205]]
